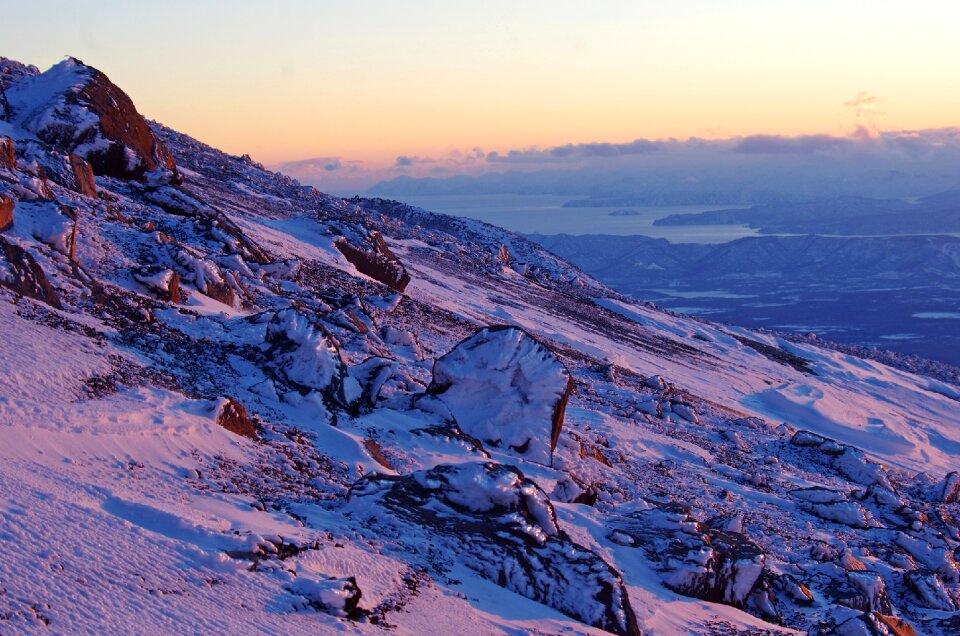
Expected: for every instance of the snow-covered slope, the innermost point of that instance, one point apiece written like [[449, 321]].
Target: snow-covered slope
[[211, 418]]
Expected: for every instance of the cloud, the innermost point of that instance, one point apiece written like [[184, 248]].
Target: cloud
[[804, 144], [327, 164], [578, 151], [404, 161]]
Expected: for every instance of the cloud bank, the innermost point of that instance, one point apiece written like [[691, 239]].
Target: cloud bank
[[750, 169]]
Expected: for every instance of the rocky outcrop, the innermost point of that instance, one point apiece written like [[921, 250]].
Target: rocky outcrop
[[929, 589], [232, 416], [7, 205], [505, 388], [83, 112], [501, 525], [698, 560], [376, 260], [24, 275]]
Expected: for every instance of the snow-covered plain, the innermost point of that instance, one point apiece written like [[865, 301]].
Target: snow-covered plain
[[706, 479]]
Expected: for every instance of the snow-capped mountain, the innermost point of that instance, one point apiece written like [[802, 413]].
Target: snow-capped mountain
[[232, 404]]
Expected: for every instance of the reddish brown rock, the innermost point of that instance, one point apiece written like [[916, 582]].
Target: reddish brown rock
[[173, 288], [6, 212], [26, 277], [221, 292], [131, 149], [233, 417], [503, 256], [376, 261], [82, 176], [8, 159]]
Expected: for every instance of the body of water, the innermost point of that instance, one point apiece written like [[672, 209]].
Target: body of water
[[545, 214]]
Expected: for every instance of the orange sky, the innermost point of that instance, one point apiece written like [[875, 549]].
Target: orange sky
[[373, 80]]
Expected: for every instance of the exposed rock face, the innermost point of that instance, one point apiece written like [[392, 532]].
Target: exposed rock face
[[505, 388], [501, 525], [86, 114], [6, 212], [8, 159], [503, 256], [376, 261], [232, 416], [82, 176], [25, 276]]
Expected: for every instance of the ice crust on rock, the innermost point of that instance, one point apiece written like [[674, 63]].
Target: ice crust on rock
[[505, 388]]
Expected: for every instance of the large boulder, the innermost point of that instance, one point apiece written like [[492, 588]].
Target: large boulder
[[77, 109], [376, 260], [505, 388], [501, 525]]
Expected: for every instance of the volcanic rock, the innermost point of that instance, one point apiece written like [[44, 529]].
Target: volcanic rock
[[232, 416], [376, 261]]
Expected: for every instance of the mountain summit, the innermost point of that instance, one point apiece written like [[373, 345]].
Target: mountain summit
[[233, 404]]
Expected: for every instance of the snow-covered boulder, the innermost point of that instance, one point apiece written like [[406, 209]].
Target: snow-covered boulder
[[77, 109], [337, 596], [505, 388], [930, 590], [948, 490], [501, 525], [304, 353], [165, 282]]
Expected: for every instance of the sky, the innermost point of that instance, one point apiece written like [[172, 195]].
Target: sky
[[378, 87]]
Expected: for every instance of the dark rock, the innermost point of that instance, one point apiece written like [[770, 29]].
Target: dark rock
[[6, 212], [232, 416], [376, 261], [26, 277], [504, 387]]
